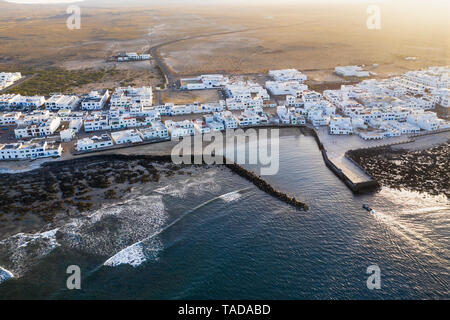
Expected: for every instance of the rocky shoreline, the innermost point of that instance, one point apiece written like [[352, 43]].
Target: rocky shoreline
[[418, 170], [69, 188]]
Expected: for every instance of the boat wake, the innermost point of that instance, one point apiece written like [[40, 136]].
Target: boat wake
[[419, 241]]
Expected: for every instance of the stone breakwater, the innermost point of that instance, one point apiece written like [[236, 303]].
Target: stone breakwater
[[266, 187], [423, 171]]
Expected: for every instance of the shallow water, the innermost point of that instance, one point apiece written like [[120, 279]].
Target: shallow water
[[215, 235]]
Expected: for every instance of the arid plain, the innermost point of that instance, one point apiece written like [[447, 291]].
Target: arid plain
[[228, 39]]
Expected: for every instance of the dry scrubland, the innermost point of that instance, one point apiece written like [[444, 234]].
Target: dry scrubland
[[314, 38]]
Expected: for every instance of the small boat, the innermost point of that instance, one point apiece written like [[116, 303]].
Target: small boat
[[365, 206]]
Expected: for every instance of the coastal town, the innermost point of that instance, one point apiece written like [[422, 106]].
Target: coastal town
[[33, 127]]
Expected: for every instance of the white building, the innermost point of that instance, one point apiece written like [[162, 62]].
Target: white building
[[351, 71], [227, 118], [248, 118], [58, 102], [8, 78], [180, 128], [129, 96], [95, 100], [94, 143], [45, 128], [30, 150], [207, 81], [6, 100], [293, 88], [156, 131], [425, 120], [126, 136], [18, 101], [341, 125], [67, 135], [132, 56], [96, 121], [201, 127], [288, 75], [9, 119]]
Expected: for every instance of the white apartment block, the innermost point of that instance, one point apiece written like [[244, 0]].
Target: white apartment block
[[242, 90], [122, 122], [18, 101], [95, 100], [340, 126], [215, 126], [288, 75], [7, 99], [59, 102], [425, 120], [67, 135], [248, 118], [227, 118], [279, 88], [96, 122], [9, 119], [94, 143], [126, 136], [318, 118], [8, 78], [30, 150], [201, 126], [207, 81], [156, 131], [351, 71], [45, 128], [129, 96], [180, 128], [132, 56]]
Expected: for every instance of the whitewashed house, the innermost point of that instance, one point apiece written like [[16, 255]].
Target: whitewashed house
[[95, 100], [227, 118], [288, 75], [340, 126], [45, 128], [9, 119], [156, 131], [94, 143], [129, 96], [58, 102], [126, 136], [30, 150]]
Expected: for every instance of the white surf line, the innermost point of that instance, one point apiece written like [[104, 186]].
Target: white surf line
[[154, 234], [5, 275], [165, 228]]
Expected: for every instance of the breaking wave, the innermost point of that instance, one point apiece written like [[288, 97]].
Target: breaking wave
[[5, 275], [149, 247], [25, 250]]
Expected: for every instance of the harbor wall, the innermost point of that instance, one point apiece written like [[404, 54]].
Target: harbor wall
[[358, 188]]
